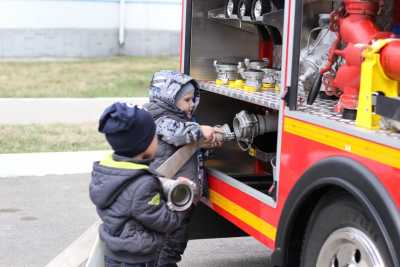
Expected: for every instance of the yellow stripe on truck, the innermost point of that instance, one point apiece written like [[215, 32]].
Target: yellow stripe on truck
[[245, 216], [351, 144]]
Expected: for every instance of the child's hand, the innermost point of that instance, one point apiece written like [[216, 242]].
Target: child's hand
[[208, 133], [214, 139]]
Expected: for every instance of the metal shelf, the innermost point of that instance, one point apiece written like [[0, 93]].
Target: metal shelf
[[274, 18], [321, 112], [269, 99]]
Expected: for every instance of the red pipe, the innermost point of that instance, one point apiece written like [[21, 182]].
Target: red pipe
[[390, 60], [356, 29], [266, 51]]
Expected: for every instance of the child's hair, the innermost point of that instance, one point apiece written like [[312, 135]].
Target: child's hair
[[128, 129]]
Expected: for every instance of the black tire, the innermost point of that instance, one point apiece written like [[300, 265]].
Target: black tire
[[265, 8], [235, 7], [334, 216], [247, 5]]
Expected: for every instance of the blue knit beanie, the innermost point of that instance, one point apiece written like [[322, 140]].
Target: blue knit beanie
[[128, 129]]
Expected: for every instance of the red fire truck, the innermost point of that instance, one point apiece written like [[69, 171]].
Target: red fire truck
[[322, 186]]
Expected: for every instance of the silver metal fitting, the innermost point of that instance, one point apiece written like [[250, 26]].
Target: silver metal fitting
[[315, 55], [226, 71], [256, 64], [227, 134], [247, 126], [180, 193]]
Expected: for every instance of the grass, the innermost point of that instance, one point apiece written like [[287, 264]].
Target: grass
[[50, 138], [114, 77]]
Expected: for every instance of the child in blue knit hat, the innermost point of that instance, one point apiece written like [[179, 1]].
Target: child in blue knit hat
[[173, 100], [127, 195]]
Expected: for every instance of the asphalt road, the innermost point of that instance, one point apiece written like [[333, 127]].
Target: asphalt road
[[40, 216]]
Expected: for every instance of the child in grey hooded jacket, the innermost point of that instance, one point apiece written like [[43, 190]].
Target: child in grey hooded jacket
[[173, 99]]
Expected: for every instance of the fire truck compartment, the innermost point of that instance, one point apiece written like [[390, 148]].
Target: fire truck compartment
[[260, 183], [212, 40], [243, 166]]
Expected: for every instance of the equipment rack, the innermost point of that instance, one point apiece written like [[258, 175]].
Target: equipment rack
[[321, 112]]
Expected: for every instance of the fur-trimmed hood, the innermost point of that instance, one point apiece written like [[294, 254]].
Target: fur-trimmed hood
[[164, 88]]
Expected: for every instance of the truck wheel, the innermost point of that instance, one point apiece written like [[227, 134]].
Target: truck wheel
[[244, 8], [341, 233], [259, 8], [231, 8]]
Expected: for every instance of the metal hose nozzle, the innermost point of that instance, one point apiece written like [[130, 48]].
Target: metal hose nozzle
[[179, 193]]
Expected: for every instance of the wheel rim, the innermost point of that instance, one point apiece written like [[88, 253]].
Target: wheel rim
[[229, 8], [258, 9], [349, 247], [243, 9]]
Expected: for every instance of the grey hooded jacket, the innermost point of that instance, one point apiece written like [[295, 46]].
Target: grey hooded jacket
[[174, 128], [129, 200]]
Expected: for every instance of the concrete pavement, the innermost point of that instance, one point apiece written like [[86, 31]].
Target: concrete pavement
[[41, 216]]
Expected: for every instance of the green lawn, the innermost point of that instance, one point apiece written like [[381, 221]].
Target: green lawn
[[114, 77], [50, 138]]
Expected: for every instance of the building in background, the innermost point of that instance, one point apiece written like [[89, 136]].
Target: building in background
[[89, 28]]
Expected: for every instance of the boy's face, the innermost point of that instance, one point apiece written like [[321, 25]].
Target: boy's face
[[186, 104]]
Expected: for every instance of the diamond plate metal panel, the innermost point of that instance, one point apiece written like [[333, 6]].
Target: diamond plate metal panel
[[325, 109]]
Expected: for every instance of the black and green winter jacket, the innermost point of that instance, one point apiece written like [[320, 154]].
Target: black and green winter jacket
[[130, 202]]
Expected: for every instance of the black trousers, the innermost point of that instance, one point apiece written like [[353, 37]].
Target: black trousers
[[175, 243]]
